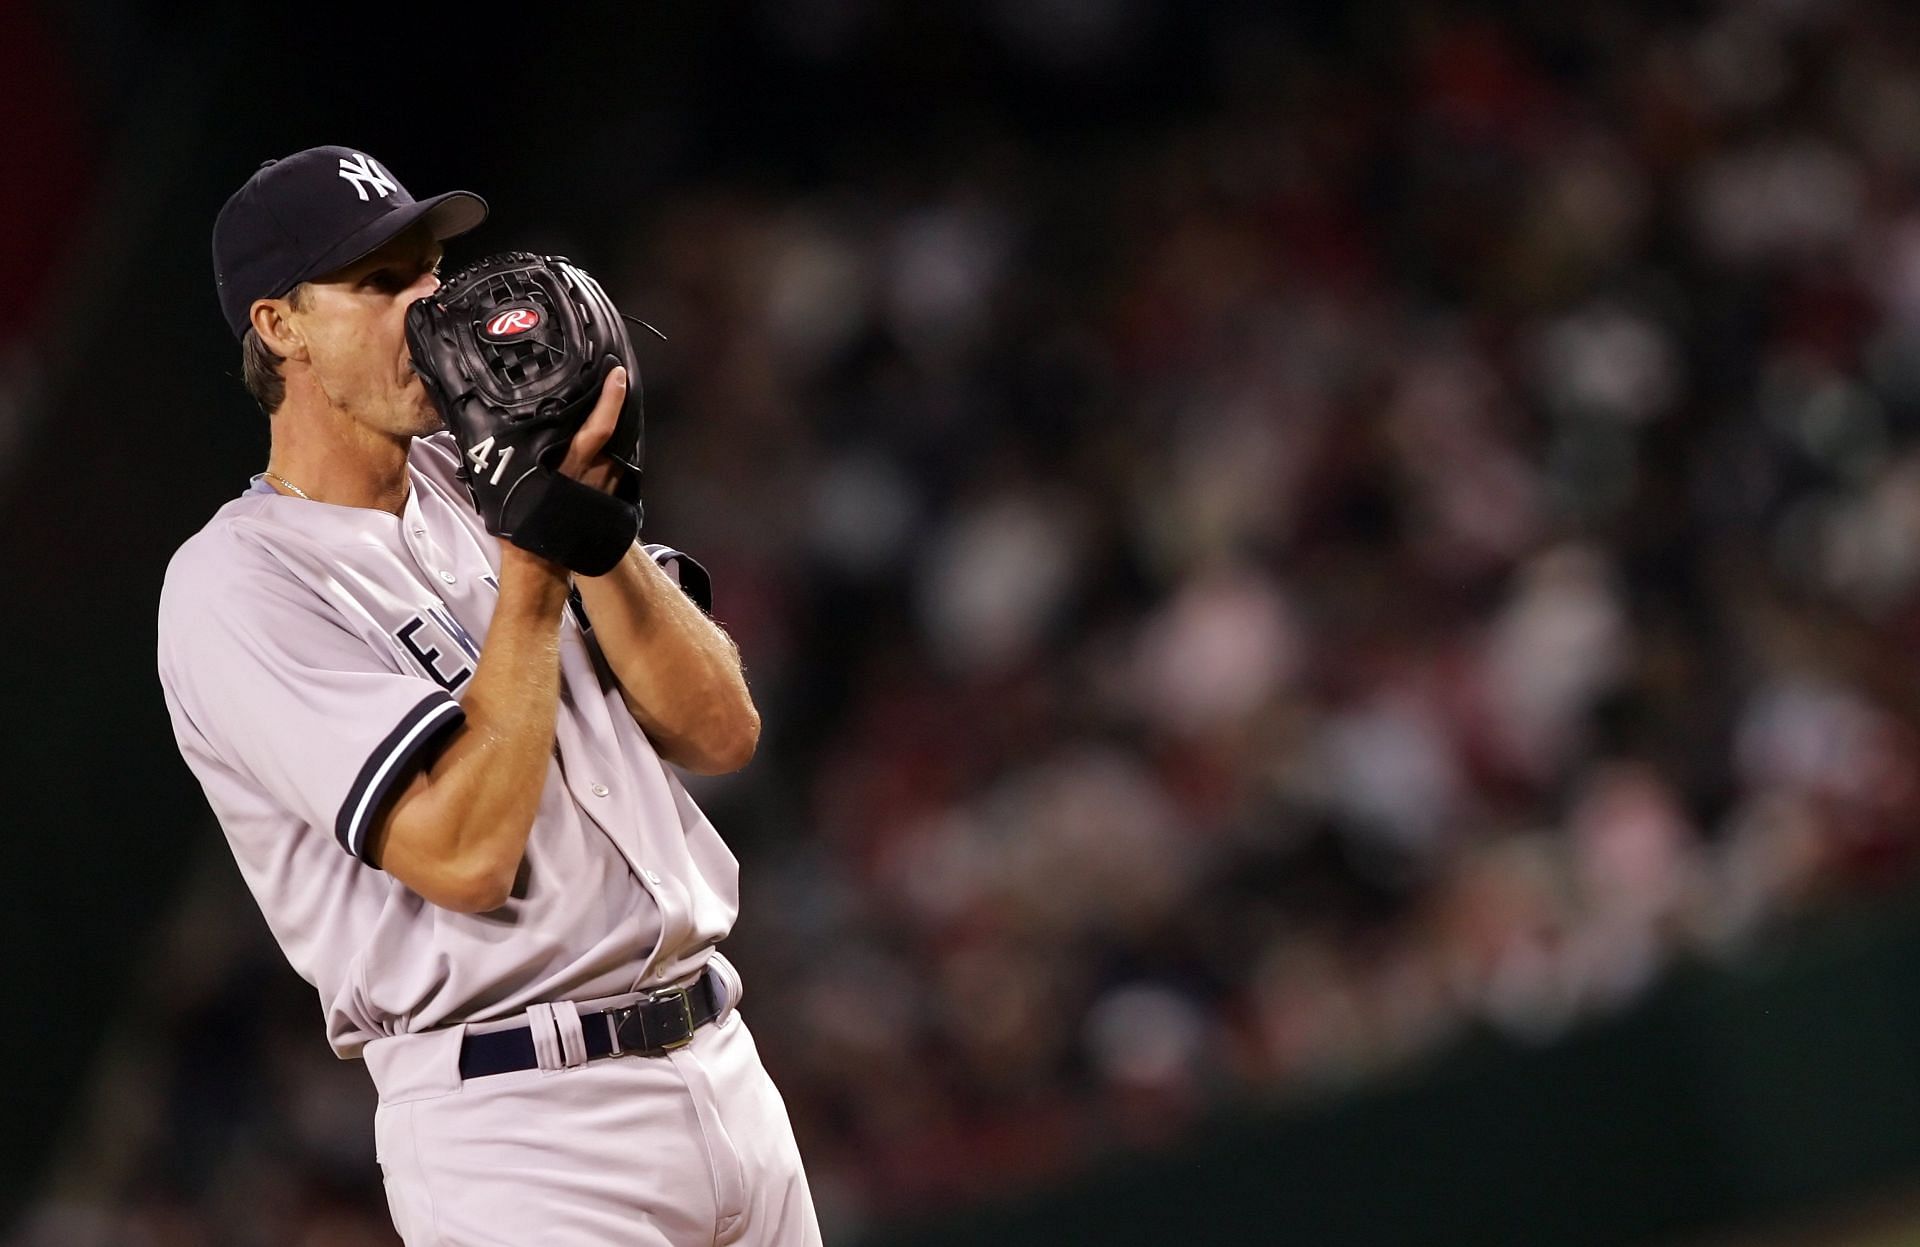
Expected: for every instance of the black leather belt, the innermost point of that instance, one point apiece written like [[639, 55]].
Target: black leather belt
[[658, 1024]]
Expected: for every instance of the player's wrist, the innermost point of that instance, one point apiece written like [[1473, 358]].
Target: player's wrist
[[526, 574]]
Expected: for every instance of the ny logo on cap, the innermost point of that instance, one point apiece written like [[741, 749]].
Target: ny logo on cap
[[362, 172]]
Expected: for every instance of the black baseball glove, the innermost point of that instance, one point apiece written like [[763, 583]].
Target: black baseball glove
[[513, 350]]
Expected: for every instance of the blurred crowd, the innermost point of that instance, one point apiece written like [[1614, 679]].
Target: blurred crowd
[[1422, 546]]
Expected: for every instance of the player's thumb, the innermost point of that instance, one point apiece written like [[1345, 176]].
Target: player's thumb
[[593, 436]]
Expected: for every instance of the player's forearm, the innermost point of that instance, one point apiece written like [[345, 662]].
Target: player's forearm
[[458, 833], [494, 780], [679, 674]]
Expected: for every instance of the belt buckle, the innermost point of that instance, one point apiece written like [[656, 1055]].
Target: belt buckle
[[636, 1013], [685, 997]]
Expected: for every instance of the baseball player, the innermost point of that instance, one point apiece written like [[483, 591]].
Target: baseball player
[[440, 761]]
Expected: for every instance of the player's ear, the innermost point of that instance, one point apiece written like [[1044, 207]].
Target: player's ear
[[271, 319]]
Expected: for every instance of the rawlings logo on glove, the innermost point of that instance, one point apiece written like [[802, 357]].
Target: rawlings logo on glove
[[513, 351]]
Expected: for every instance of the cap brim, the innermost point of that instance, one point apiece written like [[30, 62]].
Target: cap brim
[[447, 216], [454, 213]]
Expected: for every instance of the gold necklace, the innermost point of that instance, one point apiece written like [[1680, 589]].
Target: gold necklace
[[289, 484]]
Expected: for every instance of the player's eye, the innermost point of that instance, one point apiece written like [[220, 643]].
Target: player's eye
[[388, 279]]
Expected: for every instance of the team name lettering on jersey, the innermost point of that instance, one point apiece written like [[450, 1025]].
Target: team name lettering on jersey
[[429, 657]]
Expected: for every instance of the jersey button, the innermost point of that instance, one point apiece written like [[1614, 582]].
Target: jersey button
[[599, 790], [652, 877], [447, 576]]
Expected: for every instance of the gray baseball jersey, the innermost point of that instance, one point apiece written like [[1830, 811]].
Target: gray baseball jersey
[[312, 658]]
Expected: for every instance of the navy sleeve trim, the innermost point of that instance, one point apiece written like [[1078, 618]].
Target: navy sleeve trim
[[392, 760], [694, 581]]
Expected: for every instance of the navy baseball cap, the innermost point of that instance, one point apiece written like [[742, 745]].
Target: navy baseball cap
[[318, 210]]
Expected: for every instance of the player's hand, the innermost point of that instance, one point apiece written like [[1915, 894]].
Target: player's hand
[[584, 462]]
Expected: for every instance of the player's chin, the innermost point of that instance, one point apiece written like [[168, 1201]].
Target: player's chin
[[425, 417]]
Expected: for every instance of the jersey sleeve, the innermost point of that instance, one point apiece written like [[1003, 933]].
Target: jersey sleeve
[[687, 572], [270, 689]]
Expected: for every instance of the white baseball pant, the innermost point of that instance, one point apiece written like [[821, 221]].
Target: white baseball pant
[[664, 1151]]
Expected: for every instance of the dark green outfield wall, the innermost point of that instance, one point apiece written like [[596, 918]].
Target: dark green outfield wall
[[1727, 1098]]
